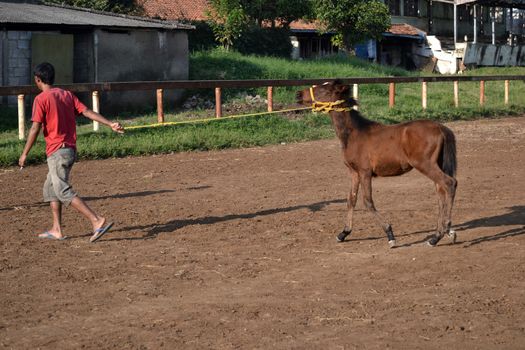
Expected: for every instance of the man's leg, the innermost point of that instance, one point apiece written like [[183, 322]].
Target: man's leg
[[97, 221], [56, 229]]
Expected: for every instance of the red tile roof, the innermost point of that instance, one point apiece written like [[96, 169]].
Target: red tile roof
[[404, 29], [175, 9]]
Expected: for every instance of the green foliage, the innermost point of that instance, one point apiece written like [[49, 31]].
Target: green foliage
[[227, 20], [282, 11], [129, 7], [264, 42], [354, 20]]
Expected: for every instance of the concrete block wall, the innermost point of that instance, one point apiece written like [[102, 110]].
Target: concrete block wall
[[16, 60]]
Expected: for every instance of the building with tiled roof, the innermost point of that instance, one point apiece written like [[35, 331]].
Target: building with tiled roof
[[411, 20]]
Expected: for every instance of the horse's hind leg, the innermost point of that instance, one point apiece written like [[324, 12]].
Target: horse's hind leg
[[446, 190], [351, 202], [366, 181], [451, 184]]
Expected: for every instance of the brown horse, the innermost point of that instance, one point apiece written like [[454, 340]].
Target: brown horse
[[373, 149]]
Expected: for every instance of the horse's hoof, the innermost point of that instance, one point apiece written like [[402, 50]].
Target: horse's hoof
[[392, 243], [341, 237], [452, 236]]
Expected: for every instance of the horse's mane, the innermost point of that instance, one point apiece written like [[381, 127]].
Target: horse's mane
[[359, 122]]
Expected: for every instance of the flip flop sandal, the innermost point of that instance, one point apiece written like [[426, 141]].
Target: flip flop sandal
[[100, 232], [47, 235]]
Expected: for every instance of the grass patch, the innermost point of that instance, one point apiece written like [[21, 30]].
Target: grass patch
[[272, 129]]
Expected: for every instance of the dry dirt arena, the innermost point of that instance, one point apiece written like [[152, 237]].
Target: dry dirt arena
[[236, 249]]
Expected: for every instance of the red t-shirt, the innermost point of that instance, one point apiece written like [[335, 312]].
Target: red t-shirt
[[57, 109]]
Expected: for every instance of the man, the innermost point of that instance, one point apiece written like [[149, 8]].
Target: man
[[55, 111]]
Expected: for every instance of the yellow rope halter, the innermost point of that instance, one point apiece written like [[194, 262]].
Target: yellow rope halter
[[318, 106]]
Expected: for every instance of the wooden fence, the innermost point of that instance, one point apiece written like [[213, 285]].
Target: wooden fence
[[218, 85]]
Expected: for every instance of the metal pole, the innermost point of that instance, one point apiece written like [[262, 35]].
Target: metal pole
[[455, 24], [493, 24], [218, 105], [424, 95], [430, 18], [270, 98], [391, 95], [456, 93], [475, 24], [96, 108], [21, 118], [160, 107], [511, 25]]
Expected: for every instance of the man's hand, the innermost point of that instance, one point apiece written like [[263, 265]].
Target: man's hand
[[31, 138], [117, 127], [22, 161]]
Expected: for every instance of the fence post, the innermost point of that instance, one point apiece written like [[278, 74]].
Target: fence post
[[424, 95], [391, 95], [96, 108], [507, 92], [21, 118], [160, 107], [456, 94], [270, 98], [481, 92], [218, 103], [355, 94]]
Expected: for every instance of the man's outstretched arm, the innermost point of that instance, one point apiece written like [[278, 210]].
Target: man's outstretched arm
[[117, 127]]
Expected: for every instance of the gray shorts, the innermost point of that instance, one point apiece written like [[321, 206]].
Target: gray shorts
[[57, 187]]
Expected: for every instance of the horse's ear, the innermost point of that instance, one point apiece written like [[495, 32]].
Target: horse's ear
[[342, 89]]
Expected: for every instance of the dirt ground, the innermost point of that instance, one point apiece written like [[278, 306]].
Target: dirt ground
[[236, 249]]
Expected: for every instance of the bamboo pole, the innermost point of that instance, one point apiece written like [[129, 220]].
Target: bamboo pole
[[355, 94], [21, 118], [96, 108], [160, 106], [507, 88], [391, 95], [218, 103], [424, 95], [481, 92], [456, 94], [270, 98]]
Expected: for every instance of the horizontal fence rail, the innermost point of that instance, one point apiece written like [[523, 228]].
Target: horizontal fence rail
[[210, 84], [159, 86]]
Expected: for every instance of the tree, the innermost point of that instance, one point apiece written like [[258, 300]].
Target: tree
[[227, 20], [129, 7], [354, 20], [282, 11]]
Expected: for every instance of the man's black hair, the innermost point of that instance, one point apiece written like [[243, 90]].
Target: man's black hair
[[46, 72]]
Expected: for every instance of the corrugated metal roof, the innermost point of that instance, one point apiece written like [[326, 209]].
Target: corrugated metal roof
[[519, 4], [36, 14]]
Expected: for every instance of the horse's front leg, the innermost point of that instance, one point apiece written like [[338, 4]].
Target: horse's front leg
[[351, 202], [366, 183]]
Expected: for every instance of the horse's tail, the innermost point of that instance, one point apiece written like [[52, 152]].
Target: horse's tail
[[448, 153]]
